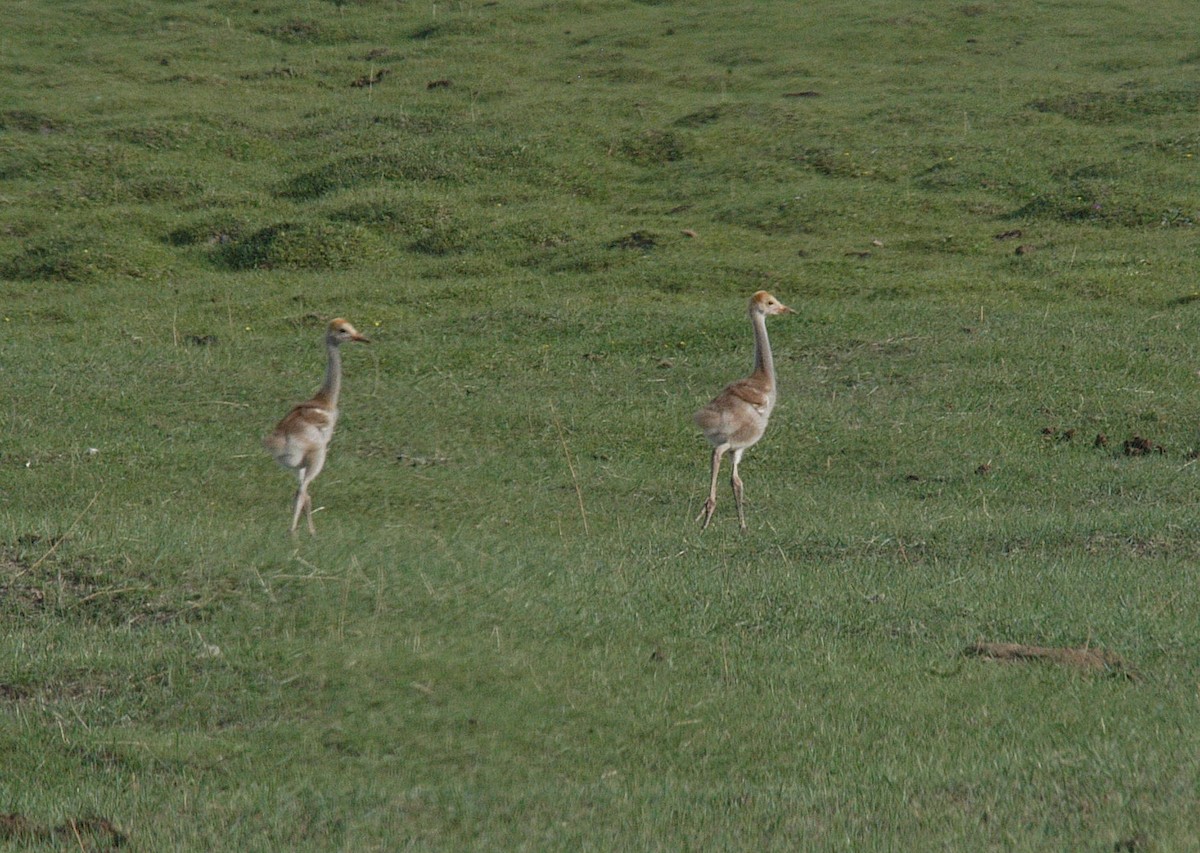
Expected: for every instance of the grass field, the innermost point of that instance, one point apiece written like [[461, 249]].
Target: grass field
[[509, 633]]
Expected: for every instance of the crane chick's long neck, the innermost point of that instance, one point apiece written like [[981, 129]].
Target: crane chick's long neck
[[764, 366], [333, 377]]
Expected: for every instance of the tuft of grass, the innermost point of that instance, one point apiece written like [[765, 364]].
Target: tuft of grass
[[352, 171], [83, 254], [1133, 103], [295, 246]]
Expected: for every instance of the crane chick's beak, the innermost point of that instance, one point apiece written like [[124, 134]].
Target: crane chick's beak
[[360, 338], [783, 309]]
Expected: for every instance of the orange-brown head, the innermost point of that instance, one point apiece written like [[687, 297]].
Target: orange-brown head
[[340, 332], [764, 303]]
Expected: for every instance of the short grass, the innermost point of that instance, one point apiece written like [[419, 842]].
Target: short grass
[[509, 633]]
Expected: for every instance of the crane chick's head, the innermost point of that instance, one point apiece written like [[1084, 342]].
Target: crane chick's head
[[340, 332], [764, 303]]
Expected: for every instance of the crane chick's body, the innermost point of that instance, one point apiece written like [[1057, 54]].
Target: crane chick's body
[[737, 417], [301, 438], [300, 441]]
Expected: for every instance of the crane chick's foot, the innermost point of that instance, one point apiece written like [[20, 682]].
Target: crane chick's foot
[[710, 506], [741, 517]]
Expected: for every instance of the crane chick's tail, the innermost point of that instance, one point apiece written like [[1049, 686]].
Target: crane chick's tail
[[274, 444]]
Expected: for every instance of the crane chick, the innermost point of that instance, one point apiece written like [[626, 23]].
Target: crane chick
[[737, 417], [299, 441]]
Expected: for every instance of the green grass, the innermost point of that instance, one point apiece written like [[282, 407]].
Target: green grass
[[509, 633]]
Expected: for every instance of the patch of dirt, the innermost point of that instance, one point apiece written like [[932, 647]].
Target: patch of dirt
[[16, 593], [81, 586], [654, 147], [104, 758], [29, 122], [1086, 659], [13, 692], [86, 833], [101, 830], [368, 80], [15, 827], [310, 320], [637, 240], [1055, 434], [1123, 105], [78, 687], [276, 73], [1138, 446], [296, 32], [1143, 546], [413, 460]]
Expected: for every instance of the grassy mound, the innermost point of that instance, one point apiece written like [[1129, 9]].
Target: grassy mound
[[297, 246]]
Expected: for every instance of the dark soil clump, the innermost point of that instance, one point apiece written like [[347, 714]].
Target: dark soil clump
[[1086, 659]]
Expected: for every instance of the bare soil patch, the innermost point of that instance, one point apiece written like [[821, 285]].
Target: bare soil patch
[[84, 585], [86, 833], [1138, 446], [1086, 659], [368, 80], [1053, 433]]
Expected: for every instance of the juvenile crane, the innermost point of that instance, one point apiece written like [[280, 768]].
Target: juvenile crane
[[300, 440], [737, 417]]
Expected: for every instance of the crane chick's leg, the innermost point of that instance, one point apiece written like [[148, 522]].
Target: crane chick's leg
[[710, 505], [298, 502], [736, 482], [314, 468], [308, 514]]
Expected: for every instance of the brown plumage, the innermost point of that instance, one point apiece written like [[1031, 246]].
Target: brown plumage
[[737, 417], [299, 441]]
